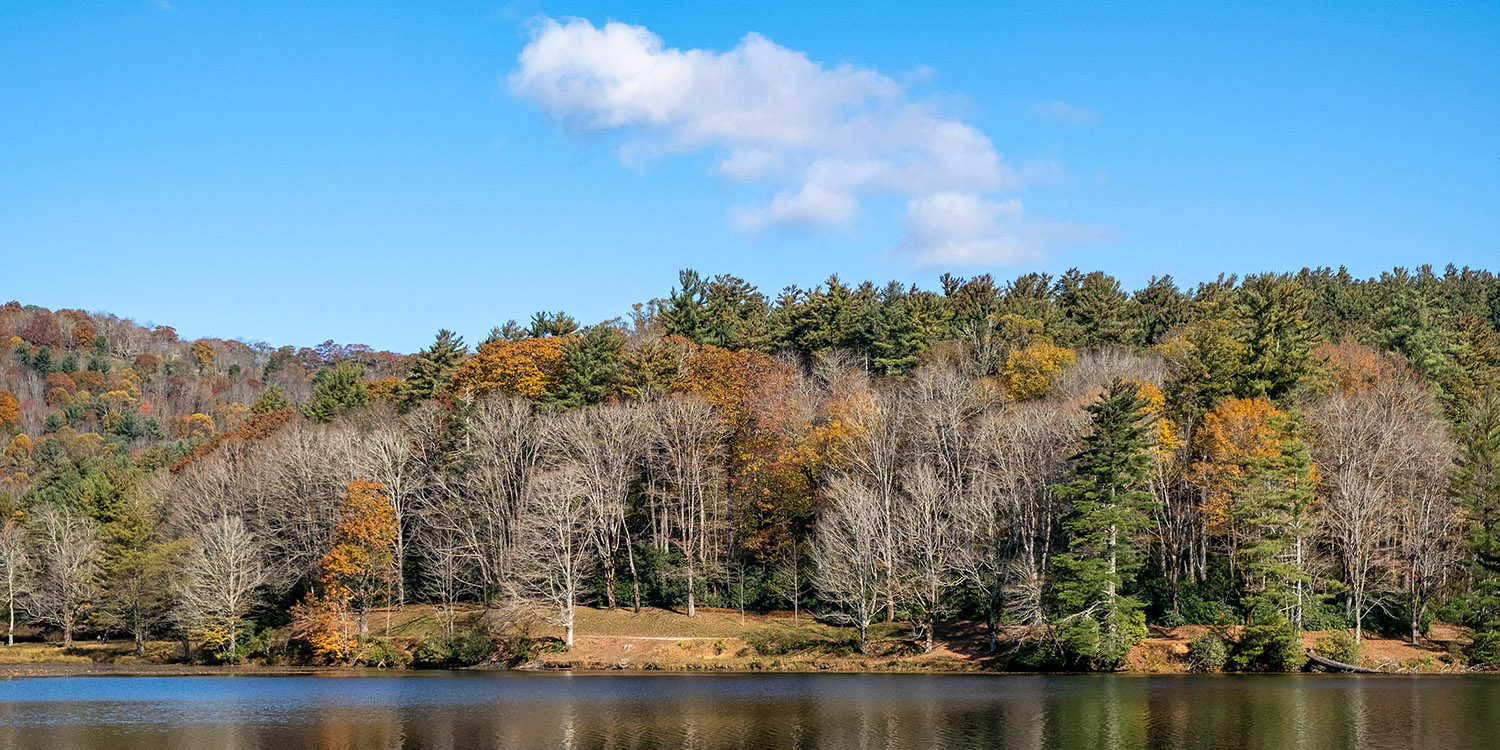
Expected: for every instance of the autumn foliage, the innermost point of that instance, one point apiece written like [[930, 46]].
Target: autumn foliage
[[528, 368], [359, 567]]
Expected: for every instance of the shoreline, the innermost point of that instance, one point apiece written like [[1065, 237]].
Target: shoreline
[[37, 671]]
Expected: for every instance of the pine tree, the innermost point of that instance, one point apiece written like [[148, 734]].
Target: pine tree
[[271, 399], [433, 368], [1278, 351], [590, 367], [683, 312], [1476, 484], [336, 389], [1109, 490], [1272, 509]]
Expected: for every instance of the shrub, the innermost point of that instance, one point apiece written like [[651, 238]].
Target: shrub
[[1173, 620], [1485, 650], [381, 652], [462, 649], [1271, 647], [1207, 652], [1340, 646], [778, 640]]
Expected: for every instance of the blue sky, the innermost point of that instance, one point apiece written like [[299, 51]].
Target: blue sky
[[370, 172]]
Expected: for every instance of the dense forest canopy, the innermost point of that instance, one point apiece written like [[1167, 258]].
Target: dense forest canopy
[[1284, 451]]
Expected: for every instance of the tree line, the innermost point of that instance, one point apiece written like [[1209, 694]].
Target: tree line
[[1056, 458]]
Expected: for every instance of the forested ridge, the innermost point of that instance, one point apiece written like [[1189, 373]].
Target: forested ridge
[[1057, 457]]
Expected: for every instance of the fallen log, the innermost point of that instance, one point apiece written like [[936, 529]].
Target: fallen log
[[1337, 666]]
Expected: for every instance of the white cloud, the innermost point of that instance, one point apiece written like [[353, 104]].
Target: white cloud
[[819, 137], [1064, 113]]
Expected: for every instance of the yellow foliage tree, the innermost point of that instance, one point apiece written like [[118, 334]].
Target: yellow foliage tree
[[1030, 370], [203, 351], [384, 389]]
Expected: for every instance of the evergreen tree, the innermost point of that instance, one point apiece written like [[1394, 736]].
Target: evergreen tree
[[336, 389], [1272, 511], [1160, 308], [590, 366], [1109, 490], [1280, 339], [552, 324], [1476, 484], [1096, 310], [271, 399], [433, 368], [683, 312]]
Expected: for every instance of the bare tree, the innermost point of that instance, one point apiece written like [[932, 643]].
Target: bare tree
[[604, 446], [444, 577], [222, 580], [688, 440], [927, 541], [874, 455], [848, 551], [479, 495], [1370, 445], [1034, 439], [65, 553], [557, 548], [15, 567]]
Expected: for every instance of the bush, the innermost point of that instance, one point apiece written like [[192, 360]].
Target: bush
[[1207, 652], [1325, 616], [1485, 650], [1198, 610], [382, 652], [1340, 646], [1272, 647], [779, 640], [462, 649], [1172, 620]]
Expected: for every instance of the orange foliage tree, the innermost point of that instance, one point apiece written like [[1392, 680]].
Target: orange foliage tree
[[359, 569], [10, 410], [528, 367], [1230, 437]]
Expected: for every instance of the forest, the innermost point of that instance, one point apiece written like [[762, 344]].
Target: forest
[[1051, 456]]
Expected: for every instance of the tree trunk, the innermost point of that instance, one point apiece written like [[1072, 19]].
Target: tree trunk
[[692, 608], [364, 620], [609, 580], [568, 624], [400, 567], [635, 578]]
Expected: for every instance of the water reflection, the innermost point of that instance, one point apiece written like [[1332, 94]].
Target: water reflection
[[467, 710]]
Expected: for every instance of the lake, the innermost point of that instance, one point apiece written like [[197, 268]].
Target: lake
[[511, 710]]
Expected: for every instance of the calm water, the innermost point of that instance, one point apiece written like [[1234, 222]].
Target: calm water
[[464, 710]]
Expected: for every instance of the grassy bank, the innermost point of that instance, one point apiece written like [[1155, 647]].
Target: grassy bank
[[714, 640]]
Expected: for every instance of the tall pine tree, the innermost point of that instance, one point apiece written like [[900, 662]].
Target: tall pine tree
[[1109, 489], [433, 368]]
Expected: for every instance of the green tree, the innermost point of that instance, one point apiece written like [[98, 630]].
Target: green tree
[[1111, 501], [1280, 336], [1476, 484], [271, 399], [1095, 309], [335, 390], [1272, 511], [590, 366], [433, 368]]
